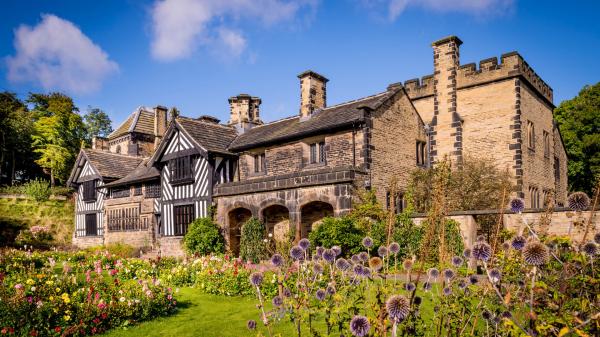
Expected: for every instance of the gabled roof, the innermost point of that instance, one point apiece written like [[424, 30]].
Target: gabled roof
[[141, 173], [109, 165], [323, 120], [211, 136], [140, 121]]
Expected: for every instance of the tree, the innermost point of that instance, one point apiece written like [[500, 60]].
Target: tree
[[97, 123], [579, 124]]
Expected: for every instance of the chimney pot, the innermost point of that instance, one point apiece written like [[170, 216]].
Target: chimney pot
[[313, 92]]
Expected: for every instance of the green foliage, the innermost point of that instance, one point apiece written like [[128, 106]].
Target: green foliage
[[203, 237], [341, 232], [252, 245], [97, 123], [408, 236], [118, 249], [38, 190], [579, 124]]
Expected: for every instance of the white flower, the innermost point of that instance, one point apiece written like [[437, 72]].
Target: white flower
[[122, 299], [33, 288]]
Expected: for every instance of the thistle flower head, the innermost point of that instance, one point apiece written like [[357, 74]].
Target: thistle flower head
[[449, 274], [317, 268], [417, 300], [320, 294], [320, 251], [287, 292], [359, 326], [357, 269], [364, 256], [480, 238], [394, 248], [398, 308], [578, 201], [597, 238], [277, 301], [256, 279], [382, 251], [486, 315], [355, 259], [251, 324], [304, 244], [375, 263], [462, 284], [407, 264], [410, 287], [427, 286], [328, 255], [297, 253], [367, 242], [535, 253], [342, 264], [447, 291], [473, 279], [506, 246], [457, 261], [433, 273], [277, 260], [481, 251], [590, 248], [518, 242], [517, 205], [337, 250], [366, 272], [467, 253], [330, 289], [495, 275]]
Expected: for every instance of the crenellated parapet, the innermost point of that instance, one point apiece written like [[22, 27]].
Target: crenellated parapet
[[419, 88]]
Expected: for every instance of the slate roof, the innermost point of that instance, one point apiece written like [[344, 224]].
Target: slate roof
[[140, 121], [111, 165], [141, 173], [323, 120], [211, 136]]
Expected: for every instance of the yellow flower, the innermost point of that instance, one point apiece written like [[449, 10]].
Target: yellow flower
[[57, 290], [66, 298], [30, 281], [67, 317], [49, 282], [51, 298]]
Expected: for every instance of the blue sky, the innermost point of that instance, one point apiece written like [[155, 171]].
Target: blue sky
[[194, 54]]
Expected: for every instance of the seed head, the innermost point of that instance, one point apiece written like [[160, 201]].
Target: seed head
[[449, 274], [409, 287], [407, 264], [320, 294], [427, 286], [398, 308], [251, 324], [328, 255], [394, 248], [535, 253], [317, 268], [277, 260], [320, 251], [342, 264], [375, 263], [277, 301], [297, 253], [590, 248], [433, 273], [330, 289], [304, 244], [457, 261], [473, 279], [467, 253], [447, 291], [337, 250], [382, 251], [359, 326], [256, 279], [495, 275], [364, 256]]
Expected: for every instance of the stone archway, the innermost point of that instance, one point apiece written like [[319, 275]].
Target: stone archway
[[277, 221], [236, 219], [311, 215]]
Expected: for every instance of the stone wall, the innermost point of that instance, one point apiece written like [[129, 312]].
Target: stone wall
[[84, 242], [143, 238], [171, 246], [561, 186]]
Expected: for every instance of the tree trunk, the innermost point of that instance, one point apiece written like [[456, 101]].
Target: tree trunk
[[51, 177], [12, 170]]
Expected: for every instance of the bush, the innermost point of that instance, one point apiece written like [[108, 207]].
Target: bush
[[252, 245], [203, 237], [408, 236], [339, 232], [38, 190], [118, 249]]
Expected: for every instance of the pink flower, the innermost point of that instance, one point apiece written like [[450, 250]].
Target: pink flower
[[88, 276], [18, 286], [169, 297], [113, 272], [101, 305]]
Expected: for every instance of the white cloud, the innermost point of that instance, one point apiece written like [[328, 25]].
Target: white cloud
[[180, 26], [395, 8], [56, 55]]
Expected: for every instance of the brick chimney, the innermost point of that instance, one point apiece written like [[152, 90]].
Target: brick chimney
[[446, 124], [244, 111], [160, 123], [313, 93]]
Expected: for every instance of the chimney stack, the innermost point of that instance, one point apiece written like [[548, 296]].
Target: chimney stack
[[160, 123], [244, 111], [313, 93], [447, 123]]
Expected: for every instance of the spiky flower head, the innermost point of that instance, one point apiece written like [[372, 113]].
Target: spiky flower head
[[480, 238], [364, 256], [597, 238], [427, 286], [256, 278], [407, 264], [398, 308], [481, 251], [590, 248], [417, 300], [317, 268], [449, 274], [330, 289], [366, 272], [467, 253], [473, 279], [518, 242], [287, 292], [457, 261], [578, 201], [251, 324], [277, 260], [320, 251], [337, 250], [462, 284], [375, 263], [297, 253], [359, 326], [486, 314], [447, 291], [277, 301], [329, 255], [357, 269], [320, 294], [367, 242], [506, 246], [342, 264], [382, 251], [355, 259], [433, 273], [409, 287], [304, 244], [394, 248], [517, 205], [495, 275], [535, 253]]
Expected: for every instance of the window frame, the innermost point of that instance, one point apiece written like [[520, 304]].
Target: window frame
[[183, 215], [530, 135], [546, 138], [420, 153], [181, 171], [259, 161], [89, 191]]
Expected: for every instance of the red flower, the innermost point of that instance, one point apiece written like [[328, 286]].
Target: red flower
[[33, 333], [4, 331], [57, 329], [103, 315]]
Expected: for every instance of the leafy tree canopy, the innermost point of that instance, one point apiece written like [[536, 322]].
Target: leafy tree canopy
[[97, 123]]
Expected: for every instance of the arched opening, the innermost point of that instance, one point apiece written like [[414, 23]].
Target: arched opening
[[312, 214], [237, 218], [277, 221]]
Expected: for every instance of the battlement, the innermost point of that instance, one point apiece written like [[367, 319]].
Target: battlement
[[511, 64]]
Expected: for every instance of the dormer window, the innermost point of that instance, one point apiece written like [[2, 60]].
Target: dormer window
[[317, 153], [260, 163], [181, 170], [89, 191]]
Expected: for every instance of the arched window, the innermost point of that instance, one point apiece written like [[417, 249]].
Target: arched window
[[118, 149], [530, 135]]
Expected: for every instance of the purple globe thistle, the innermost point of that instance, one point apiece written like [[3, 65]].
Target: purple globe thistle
[[277, 260], [486, 315], [518, 242], [433, 273], [394, 248], [506, 315], [409, 287], [427, 286], [287, 292], [256, 279], [251, 324], [417, 300], [367, 242], [578, 201], [317, 268], [342, 264], [535, 253], [320, 251], [316, 258], [382, 251], [597, 238], [517, 205], [495, 275], [398, 308], [359, 326], [330, 289], [297, 253], [320, 294], [358, 269], [355, 259], [462, 284], [277, 301], [364, 256], [366, 272], [407, 264], [506, 246], [329, 255], [590, 248], [337, 250], [449, 274], [467, 253], [457, 261], [481, 251], [480, 238], [473, 279], [375, 263], [447, 291], [304, 244]]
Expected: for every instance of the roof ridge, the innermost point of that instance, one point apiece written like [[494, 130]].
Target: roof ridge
[[206, 123], [355, 100], [113, 154], [275, 121]]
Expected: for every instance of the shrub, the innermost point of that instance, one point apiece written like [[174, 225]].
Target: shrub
[[38, 190], [203, 237], [338, 232], [408, 236], [118, 249], [252, 245]]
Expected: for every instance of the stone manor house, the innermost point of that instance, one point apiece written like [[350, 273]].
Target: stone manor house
[[158, 171]]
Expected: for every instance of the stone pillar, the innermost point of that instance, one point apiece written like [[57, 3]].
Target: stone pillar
[[313, 92], [160, 123], [446, 135]]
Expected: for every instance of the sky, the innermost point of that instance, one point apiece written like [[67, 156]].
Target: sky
[[195, 54]]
